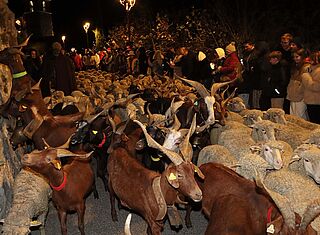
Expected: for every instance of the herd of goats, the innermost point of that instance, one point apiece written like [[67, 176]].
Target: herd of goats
[[159, 142]]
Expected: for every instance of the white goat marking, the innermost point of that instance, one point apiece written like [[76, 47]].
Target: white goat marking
[[210, 100], [172, 140]]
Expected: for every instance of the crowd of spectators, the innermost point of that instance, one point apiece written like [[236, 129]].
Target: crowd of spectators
[[286, 76]]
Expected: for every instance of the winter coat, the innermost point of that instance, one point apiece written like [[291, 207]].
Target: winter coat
[[274, 84], [228, 69], [295, 88], [311, 85], [60, 72]]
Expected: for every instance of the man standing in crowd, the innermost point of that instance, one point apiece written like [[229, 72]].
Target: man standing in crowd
[[287, 61], [187, 63], [58, 72], [245, 88]]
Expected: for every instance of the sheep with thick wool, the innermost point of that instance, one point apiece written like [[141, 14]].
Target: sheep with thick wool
[[31, 194], [306, 161]]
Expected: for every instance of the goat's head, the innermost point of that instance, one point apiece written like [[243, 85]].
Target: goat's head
[[209, 99], [43, 160], [180, 174]]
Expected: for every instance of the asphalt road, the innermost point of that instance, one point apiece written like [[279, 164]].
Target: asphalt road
[[98, 220]]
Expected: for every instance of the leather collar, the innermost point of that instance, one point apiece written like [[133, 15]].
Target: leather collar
[[160, 198]]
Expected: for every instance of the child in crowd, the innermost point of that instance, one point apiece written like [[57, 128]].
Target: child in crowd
[[273, 83]]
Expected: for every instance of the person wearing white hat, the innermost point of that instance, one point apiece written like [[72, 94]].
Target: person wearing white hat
[[228, 69]]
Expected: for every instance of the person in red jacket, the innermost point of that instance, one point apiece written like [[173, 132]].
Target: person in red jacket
[[228, 70]]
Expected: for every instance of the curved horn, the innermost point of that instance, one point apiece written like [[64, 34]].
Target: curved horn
[[66, 144], [225, 101], [185, 146], [312, 211], [174, 157], [223, 93], [127, 225], [176, 124], [36, 86], [121, 129], [66, 153], [123, 101], [281, 202], [203, 92], [173, 108], [216, 86], [112, 123], [24, 43]]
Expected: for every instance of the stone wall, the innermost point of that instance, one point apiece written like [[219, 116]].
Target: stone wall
[[9, 161]]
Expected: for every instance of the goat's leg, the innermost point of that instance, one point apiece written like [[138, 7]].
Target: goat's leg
[[105, 182], [42, 219], [112, 202], [95, 191], [63, 221], [187, 218], [80, 211], [154, 228], [102, 162]]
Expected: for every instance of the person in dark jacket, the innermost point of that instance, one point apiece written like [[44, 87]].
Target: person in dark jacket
[[203, 71], [33, 64], [58, 72], [245, 88], [187, 63], [259, 65], [274, 83]]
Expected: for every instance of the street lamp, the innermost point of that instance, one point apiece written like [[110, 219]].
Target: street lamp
[[86, 27], [63, 38], [128, 4]]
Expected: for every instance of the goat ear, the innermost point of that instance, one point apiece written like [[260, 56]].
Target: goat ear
[[172, 178], [56, 163], [255, 149], [265, 115], [294, 158]]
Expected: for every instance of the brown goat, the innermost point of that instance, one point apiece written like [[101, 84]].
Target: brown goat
[[236, 206], [134, 185], [21, 84], [71, 183], [41, 123]]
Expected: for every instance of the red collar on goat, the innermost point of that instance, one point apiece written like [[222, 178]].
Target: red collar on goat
[[103, 141], [269, 214], [62, 185]]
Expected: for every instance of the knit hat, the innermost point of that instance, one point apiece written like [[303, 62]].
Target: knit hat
[[231, 47], [201, 56], [220, 52]]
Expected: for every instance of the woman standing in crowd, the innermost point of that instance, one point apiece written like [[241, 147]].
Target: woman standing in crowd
[[295, 89], [311, 94]]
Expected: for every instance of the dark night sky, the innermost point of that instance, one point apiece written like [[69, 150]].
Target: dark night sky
[[69, 15]]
